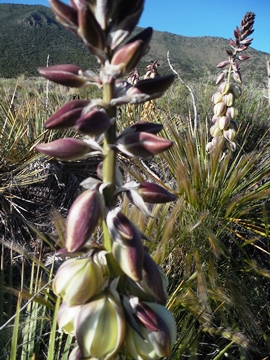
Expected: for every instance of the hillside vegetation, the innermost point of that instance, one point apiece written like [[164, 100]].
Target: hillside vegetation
[[29, 33]]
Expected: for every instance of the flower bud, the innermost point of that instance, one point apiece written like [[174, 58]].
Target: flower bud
[[67, 75], [67, 115], [130, 54], [217, 97], [155, 194], [222, 64], [82, 219], [157, 332], [224, 88], [236, 90], [243, 57], [154, 281], [209, 147], [220, 109], [127, 246], [126, 18], [237, 76], [142, 126], [223, 122], [89, 29], [101, 327], [93, 122], [142, 144], [65, 149], [229, 134], [232, 112], [215, 118], [65, 14], [215, 130], [66, 318], [77, 280], [228, 99], [220, 78], [232, 145]]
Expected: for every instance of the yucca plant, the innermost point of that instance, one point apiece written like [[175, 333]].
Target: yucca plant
[[214, 241]]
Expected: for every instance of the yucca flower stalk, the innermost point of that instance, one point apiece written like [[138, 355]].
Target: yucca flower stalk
[[124, 309], [225, 126]]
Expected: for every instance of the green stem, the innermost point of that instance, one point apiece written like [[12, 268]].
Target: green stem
[[109, 163]]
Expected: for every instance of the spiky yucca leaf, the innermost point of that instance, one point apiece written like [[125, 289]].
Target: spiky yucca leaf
[[213, 240]]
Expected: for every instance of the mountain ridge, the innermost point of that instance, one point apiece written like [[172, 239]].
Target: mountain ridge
[[29, 33]]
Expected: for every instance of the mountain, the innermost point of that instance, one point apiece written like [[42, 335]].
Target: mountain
[[29, 33]]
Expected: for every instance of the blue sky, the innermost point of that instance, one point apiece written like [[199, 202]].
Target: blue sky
[[200, 17]]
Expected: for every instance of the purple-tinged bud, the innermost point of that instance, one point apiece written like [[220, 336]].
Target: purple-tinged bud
[[229, 134], [143, 126], [130, 54], [65, 149], [101, 327], [220, 78], [223, 122], [67, 75], [76, 352], [155, 85], [155, 194], [220, 109], [224, 87], [152, 281], [235, 66], [142, 144], [82, 219], [232, 112], [94, 122], [127, 246], [237, 77], [89, 29], [157, 332], [232, 145], [228, 99], [67, 115], [126, 18], [217, 97], [243, 57], [232, 43], [229, 52], [77, 280], [246, 41], [222, 64], [209, 147], [66, 318], [215, 118], [65, 14], [215, 130]]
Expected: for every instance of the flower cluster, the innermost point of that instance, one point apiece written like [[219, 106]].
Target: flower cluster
[[112, 290], [225, 112]]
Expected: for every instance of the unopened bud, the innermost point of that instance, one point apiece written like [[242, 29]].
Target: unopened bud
[[92, 123], [67, 115], [228, 99], [82, 219], [65, 149], [223, 122], [217, 97], [232, 112], [77, 280], [220, 109], [101, 327], [142, 144]]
